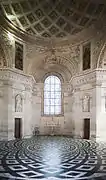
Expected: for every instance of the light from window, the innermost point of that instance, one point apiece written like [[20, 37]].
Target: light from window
[[52, 95]]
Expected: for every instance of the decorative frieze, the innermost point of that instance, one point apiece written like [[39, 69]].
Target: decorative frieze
[[90, 77], [7, 83], [28, 87], [8, 74]]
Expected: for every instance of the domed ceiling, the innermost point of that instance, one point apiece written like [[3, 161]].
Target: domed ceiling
[[52, 18]]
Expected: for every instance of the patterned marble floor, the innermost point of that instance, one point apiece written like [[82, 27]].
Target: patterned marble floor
[[52, 158]]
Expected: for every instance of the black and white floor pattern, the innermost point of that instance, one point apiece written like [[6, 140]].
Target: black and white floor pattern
[[52, 158]]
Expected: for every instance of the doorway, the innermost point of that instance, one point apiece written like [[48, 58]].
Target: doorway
[[86, 128], [18, 128]]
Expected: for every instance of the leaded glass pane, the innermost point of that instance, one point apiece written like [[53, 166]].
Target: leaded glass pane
[[52, 80], [57, 80], [57, 102], [47, 95], [52, 95], [52, 88], [57, 87], [51, 102], [57, 95], [57, 109], [46, 108], [46, 102], [52, 109]]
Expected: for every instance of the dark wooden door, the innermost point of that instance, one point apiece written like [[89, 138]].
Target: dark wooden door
[[86, 128], [18, 128]]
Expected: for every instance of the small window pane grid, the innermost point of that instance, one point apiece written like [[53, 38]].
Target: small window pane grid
[[52, 96]]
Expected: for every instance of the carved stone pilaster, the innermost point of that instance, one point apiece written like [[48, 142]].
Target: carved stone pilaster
[[7, 48]]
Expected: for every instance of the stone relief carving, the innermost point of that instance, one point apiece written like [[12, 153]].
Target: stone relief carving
[[72, 51], [62, 59], [84, 78], [7, 48], [34, 49], [98, 45], [8, 74], [4, 38], [75, 53], [34, 91], [102, 57], [28, 87], [68, 89], [18, 103], [51, 59], [86, 104], [2, 58]]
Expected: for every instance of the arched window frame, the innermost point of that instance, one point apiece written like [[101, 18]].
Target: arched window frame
[[62, 107]]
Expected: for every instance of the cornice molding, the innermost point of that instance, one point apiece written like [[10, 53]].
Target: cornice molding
[[94, 77], [7, 74]]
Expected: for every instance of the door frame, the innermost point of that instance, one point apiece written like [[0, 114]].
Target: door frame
[[18, 128], [86, 128]]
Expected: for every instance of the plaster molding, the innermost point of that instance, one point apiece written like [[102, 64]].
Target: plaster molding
[[96, 77], [8, 75]]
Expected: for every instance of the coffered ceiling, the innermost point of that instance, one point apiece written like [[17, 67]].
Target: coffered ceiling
[[52, 18]]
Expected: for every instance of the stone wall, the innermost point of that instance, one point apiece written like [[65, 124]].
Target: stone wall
[[16, 102], [52, 124], [77, 86], [84, 105]]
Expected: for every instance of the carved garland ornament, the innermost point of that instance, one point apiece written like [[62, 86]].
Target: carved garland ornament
[[100, 59]]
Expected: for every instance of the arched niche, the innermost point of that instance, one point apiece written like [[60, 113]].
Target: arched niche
[[18, 103], [86, 103]]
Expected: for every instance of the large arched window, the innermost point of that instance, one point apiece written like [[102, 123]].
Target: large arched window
[[52, 96]]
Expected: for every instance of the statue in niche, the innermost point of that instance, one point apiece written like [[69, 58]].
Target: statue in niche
[[18, 103], [86, 104]]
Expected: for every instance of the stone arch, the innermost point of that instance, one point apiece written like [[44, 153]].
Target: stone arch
[[54, 74], [39, 74], [65, 66]]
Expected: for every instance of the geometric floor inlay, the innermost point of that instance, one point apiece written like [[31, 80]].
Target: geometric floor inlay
[[52, 158]]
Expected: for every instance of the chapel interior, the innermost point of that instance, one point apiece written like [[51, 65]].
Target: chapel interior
[[53, 89]]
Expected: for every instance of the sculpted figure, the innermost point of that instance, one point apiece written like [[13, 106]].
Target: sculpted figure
[[86, 104], [18, 103]]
